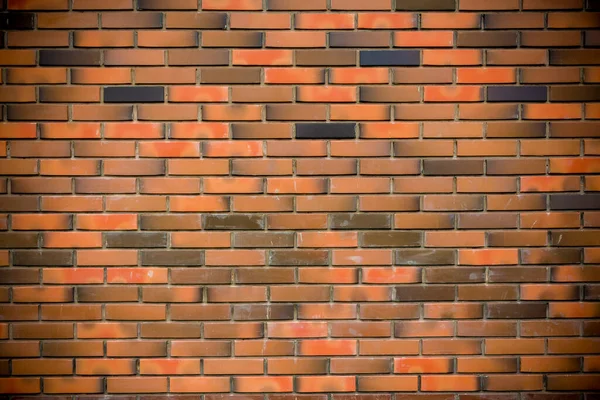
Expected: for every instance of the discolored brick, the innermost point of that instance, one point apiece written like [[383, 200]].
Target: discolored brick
[[519, 94], [17, 21], [135, 239], [233, 222], [325, 131], [69, 57], [426, 5], [376, 58], [134, 94], [453, 167]]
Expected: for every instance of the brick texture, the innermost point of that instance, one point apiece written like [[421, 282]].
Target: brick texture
[[300, 199]]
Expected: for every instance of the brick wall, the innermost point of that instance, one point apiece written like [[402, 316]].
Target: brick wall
[[314, 199]]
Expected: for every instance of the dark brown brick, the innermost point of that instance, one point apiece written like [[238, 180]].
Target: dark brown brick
[[426, 5], [181, 57], [172, 257], [298, 257], [574, 56], [452, 167], [263, 240], [359, 39], [12, 276], [231, 39], [233, 222], [516, 129], [563, 238], [257, 312], [18, 240], [360, 221], [390, 239], [455, 275], [425, 293], [135, 239], [486, 39], [101, 294], [213, 276], [43, 257], [575, 93]]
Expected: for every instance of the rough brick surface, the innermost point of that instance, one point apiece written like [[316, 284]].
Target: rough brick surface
[[300, 199]]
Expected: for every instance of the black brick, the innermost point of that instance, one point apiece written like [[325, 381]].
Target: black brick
[[16, 21], [173, 257], [69, 57], [325, 131], [134, 94], [425, 5], [575, 201], [372, 58], [517, 93], [593, 5]]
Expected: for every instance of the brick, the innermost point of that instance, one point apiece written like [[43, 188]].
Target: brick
[[375, 58]]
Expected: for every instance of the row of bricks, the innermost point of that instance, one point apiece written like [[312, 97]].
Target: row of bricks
[[433, 311], [434, 38], [310, 94], [319, 186], [301, 257], [306, 275], [307, 76], [368, 58], [304, 5], [27, 240], [303, 20], [212, 312], [494, 291], [413, 257], [312, 112], [302, 384], [285, 94], [304, 166], [328, 347], [302, 366], [409, 221], [305, 112], [247, 156], [525, 130]]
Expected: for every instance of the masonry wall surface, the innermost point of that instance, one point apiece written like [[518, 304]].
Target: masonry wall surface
[[300, 199]]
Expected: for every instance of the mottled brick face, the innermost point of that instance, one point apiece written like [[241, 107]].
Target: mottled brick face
[[300, 199]]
